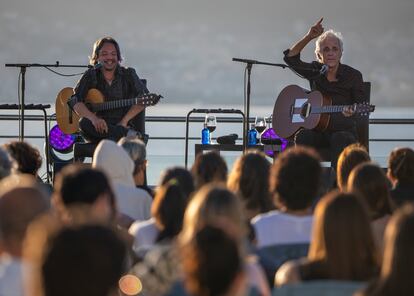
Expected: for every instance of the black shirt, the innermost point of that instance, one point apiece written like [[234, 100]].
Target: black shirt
[[126, 85], [347, 90], [401, 194]]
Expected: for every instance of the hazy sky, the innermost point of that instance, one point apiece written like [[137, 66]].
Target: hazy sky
[[184, 48]]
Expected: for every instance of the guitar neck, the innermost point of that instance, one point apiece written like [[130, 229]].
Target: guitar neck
[[329, 109], [116, 104]]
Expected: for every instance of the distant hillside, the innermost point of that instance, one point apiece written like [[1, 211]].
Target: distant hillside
[[184, 47]]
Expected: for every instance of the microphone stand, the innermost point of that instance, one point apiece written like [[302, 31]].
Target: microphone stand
[[23, 68], [249, 65]]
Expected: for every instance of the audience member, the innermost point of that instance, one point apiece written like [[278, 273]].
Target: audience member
[[118, 166], [183, 177], [396, 277], [342, 246], [213, 264], [27, 157], [21, 201], [216, 206], [145, 232], [84, 260], [249, 179], [371, 184], [349, 158], [84, 195], [168, 211], [401, 174], [137, 151], [209, 167], [294, 182]]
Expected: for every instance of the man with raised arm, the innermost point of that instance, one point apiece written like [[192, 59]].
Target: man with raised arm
[[340, 82]]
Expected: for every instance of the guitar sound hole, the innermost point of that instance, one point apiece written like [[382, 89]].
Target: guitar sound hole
[[305, 110]]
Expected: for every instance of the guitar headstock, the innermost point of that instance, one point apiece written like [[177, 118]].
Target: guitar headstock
[[150, 99], [364, 109]]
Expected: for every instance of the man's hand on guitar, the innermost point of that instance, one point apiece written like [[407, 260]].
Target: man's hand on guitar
[[349, 110], [100, 125]]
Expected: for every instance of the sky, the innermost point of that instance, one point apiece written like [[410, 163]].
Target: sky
[[184, 48]]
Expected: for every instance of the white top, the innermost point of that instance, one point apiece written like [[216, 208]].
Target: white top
[[11, 282], [133, 202], [144, 233], [276, 228], [119, 167]]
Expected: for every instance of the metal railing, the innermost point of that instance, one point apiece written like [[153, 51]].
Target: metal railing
[[182, 119]]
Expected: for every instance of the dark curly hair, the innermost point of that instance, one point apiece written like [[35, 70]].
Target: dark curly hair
[[27, 157], [295, 178]]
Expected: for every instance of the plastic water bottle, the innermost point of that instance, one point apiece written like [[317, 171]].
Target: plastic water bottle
[[252, 136], [205, 135]]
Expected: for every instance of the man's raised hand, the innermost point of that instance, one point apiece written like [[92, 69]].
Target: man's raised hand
[[316, 30]]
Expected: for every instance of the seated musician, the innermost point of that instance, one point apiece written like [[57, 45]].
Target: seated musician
[[115, 82], [342, 83]]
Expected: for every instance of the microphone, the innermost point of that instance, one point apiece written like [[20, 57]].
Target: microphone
[[97, 66], [323, 69], [244, 61]]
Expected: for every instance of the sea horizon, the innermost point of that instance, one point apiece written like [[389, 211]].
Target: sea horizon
[[166, 153]]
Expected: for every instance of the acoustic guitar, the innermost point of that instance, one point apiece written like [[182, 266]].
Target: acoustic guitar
[[68, 120], [296, 108]]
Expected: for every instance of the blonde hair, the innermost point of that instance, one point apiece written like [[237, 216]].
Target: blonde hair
[[214, 206]]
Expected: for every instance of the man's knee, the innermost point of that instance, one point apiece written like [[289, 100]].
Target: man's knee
[[305, 137], [85, 124], [343, 138]]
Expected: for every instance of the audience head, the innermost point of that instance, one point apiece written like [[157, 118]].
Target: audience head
[[349, 158], [80, 186], [212, 264], [398, 262], [342, 238], [137, 151], [6, 164], [183, 178], [21, 201], [216, 206], [401, 166], [209, 167], [168, 210], [27, 157], [86, 260], [371, 184], [295, 178], [250, 180], [115, 162]]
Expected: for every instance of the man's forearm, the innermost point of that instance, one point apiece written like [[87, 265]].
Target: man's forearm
[[299, 46], [132, 112], [83, 111]]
